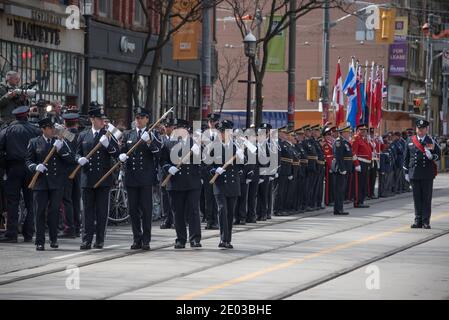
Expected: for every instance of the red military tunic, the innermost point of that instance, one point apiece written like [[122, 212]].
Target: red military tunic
[[362, 150]]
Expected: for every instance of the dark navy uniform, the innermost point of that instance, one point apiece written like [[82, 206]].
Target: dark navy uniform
[[49, 187], [312, 171], [285, 172], [95, 200], [421, 170], [72, 187], [167, 212], [342, 166], [14, 140], [184, 189], [140, 175], [226, 191], [246, 174]]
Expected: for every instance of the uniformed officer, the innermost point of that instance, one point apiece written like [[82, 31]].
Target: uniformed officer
[[184, 187], [14, 140], [49, 187], [140, 175], [245, 174], [284, 173], [266, 150], [329, 175], [210, 205], [72, 187], [420, 169], [292, 185], [9, 99], [363, 155], [312, 178], [95, 200], [376, 144], [167, 211], [384, 168], [342, 165], [227, 186], [302, 172], [320, 164], [398, 170]]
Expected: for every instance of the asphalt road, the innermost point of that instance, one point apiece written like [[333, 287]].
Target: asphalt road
[[370, 254]]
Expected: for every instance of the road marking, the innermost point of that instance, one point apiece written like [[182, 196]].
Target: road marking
[[291, 262], [81, 252]]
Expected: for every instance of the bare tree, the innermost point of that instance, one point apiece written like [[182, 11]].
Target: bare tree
[[271, 9], [229, 69], [159, 34]]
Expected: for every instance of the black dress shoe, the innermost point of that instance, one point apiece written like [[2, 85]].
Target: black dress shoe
[[8, 240], [179, 245], [67, 236], [211, 227], [98, 245], [195, 244], [136, 246], [229, 246], [269, 217], [222, 245], [27, 240], [85, 246], [165, 226], [341, 213], [54, 245], [416, 226], [426, 226], [236, 222], [40, 247], [242, 222], [146, 247]]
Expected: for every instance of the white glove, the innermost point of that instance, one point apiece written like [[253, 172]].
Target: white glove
[[104, 141], [41, 168], [220, 170], [173, 170], [271, 178], [290, 178], [358, 169], [123, 157], [344, 172], [202, 181], [429, 154], [58, 144], [407, 178], [260, 181], [240, 154], [248, 181], [145, 136], [195, 149], [276, 175], [82, 161]]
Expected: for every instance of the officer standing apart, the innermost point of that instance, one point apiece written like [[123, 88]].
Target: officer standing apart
[[14, 140], [140, 175], [95, 200], [49, 187], [9, 99], [420, 169], [342, 168]]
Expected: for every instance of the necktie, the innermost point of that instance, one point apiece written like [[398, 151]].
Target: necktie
[[140, 133], [96, 135]]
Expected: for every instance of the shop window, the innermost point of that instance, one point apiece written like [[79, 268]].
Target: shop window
[[139, 15], [105, 8], [97, 86]]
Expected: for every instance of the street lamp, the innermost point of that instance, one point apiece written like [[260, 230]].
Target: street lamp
[[249, 43], [87, 10]]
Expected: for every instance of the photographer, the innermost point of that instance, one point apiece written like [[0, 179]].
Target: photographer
[[10, 99]]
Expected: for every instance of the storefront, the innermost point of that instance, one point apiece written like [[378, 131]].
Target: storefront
[[37, 45], [114, 54]]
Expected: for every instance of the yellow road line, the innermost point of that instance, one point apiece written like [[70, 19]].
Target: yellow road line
[[291, 262]]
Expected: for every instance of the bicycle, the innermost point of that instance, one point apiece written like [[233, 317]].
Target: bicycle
[[118, 201]]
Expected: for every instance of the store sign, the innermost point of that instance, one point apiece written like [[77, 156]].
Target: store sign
[[35, 32], [398, 59], [126, 45]]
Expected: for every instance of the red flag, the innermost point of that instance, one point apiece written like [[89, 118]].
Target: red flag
[[337, 99]]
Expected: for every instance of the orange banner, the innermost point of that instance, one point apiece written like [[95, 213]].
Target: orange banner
[[185, 40]]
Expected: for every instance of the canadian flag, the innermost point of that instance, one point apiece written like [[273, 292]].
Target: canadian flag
[[337, 98]]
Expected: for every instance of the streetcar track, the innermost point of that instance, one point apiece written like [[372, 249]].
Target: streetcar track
[[130, 253], [218, 264], [344, 271]]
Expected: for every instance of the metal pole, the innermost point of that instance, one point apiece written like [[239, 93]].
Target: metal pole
[[429, 73], [445, 102], [292, 66], [248, 96], [86, 65], [325, 89], [206, 61]]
